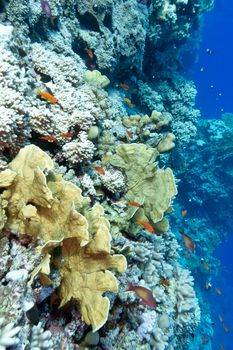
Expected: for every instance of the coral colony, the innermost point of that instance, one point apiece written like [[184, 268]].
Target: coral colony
[[94, 114]]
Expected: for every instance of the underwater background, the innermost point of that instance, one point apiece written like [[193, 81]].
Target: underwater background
[[116, 174]]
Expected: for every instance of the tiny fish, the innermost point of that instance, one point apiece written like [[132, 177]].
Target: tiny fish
[[47, 96], [146, 225], [128, 101], [99, 169], [184, 213], [47, 10], [48, 138], [143, 293], [165, 281], [89, 53], [124, 86], [66, 135], [207, 285], [188, 242], [218, 291], [222, 347], [209, 51], [206, 266], [134, 204], [129, 133], [226, 329], [220, 318]]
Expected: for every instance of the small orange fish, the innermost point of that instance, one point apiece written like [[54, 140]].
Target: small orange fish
[[146, 225], [206, 266], [165, 281], [99, 169], [128, 101], [226, 329], [47, 96], [207, 285], [220, 318], [134, 204], [129, 133], [188, 242], [184, 213], [124, 86], [66, 135], [218, 291], [89, 53], [48, 138], [143, 293]]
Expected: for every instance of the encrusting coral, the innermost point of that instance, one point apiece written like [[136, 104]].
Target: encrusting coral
[[42, 204]]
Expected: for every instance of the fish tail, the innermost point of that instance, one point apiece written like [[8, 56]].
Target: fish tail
[[130, 287]]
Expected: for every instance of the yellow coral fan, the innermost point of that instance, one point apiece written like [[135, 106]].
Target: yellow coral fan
[[40, 203], [147, 184]]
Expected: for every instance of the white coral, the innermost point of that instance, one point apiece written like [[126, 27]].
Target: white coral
[[80, 150], [188, 311], [114, 181], [7, 334]]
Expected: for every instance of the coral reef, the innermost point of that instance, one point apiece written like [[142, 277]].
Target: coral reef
[[95, 86]]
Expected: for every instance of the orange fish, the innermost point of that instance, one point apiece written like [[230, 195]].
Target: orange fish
[[48, 138], [129, 133], [146, 225], [134, 204], [66, 135], [99, 169], [218, 291], [206, 266], [226, 329], [188, 242], [207, 285], [89, 53], [184, 213], [128, 101], [165, 281], [124, 86], [47, 96], [143, 293]]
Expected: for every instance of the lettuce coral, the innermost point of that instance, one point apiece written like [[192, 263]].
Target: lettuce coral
[[42, 204], [147, 184]]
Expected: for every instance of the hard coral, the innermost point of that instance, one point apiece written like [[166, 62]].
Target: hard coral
[[147, 184], [85, 271], [41, 203]]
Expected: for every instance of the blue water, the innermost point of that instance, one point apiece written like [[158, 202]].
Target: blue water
[[213, 76], [213, 73]]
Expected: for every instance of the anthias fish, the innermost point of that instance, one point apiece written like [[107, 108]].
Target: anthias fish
[[184, 213], [99, 169], [47, 10], [143, 293], [124, 86], [47, 96], [48, 138], [188, 242], [128, 101], [218, 291], [134, 204], [146, 225]]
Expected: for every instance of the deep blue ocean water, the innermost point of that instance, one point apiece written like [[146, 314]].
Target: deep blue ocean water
[[213, 76], [213, 73]]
